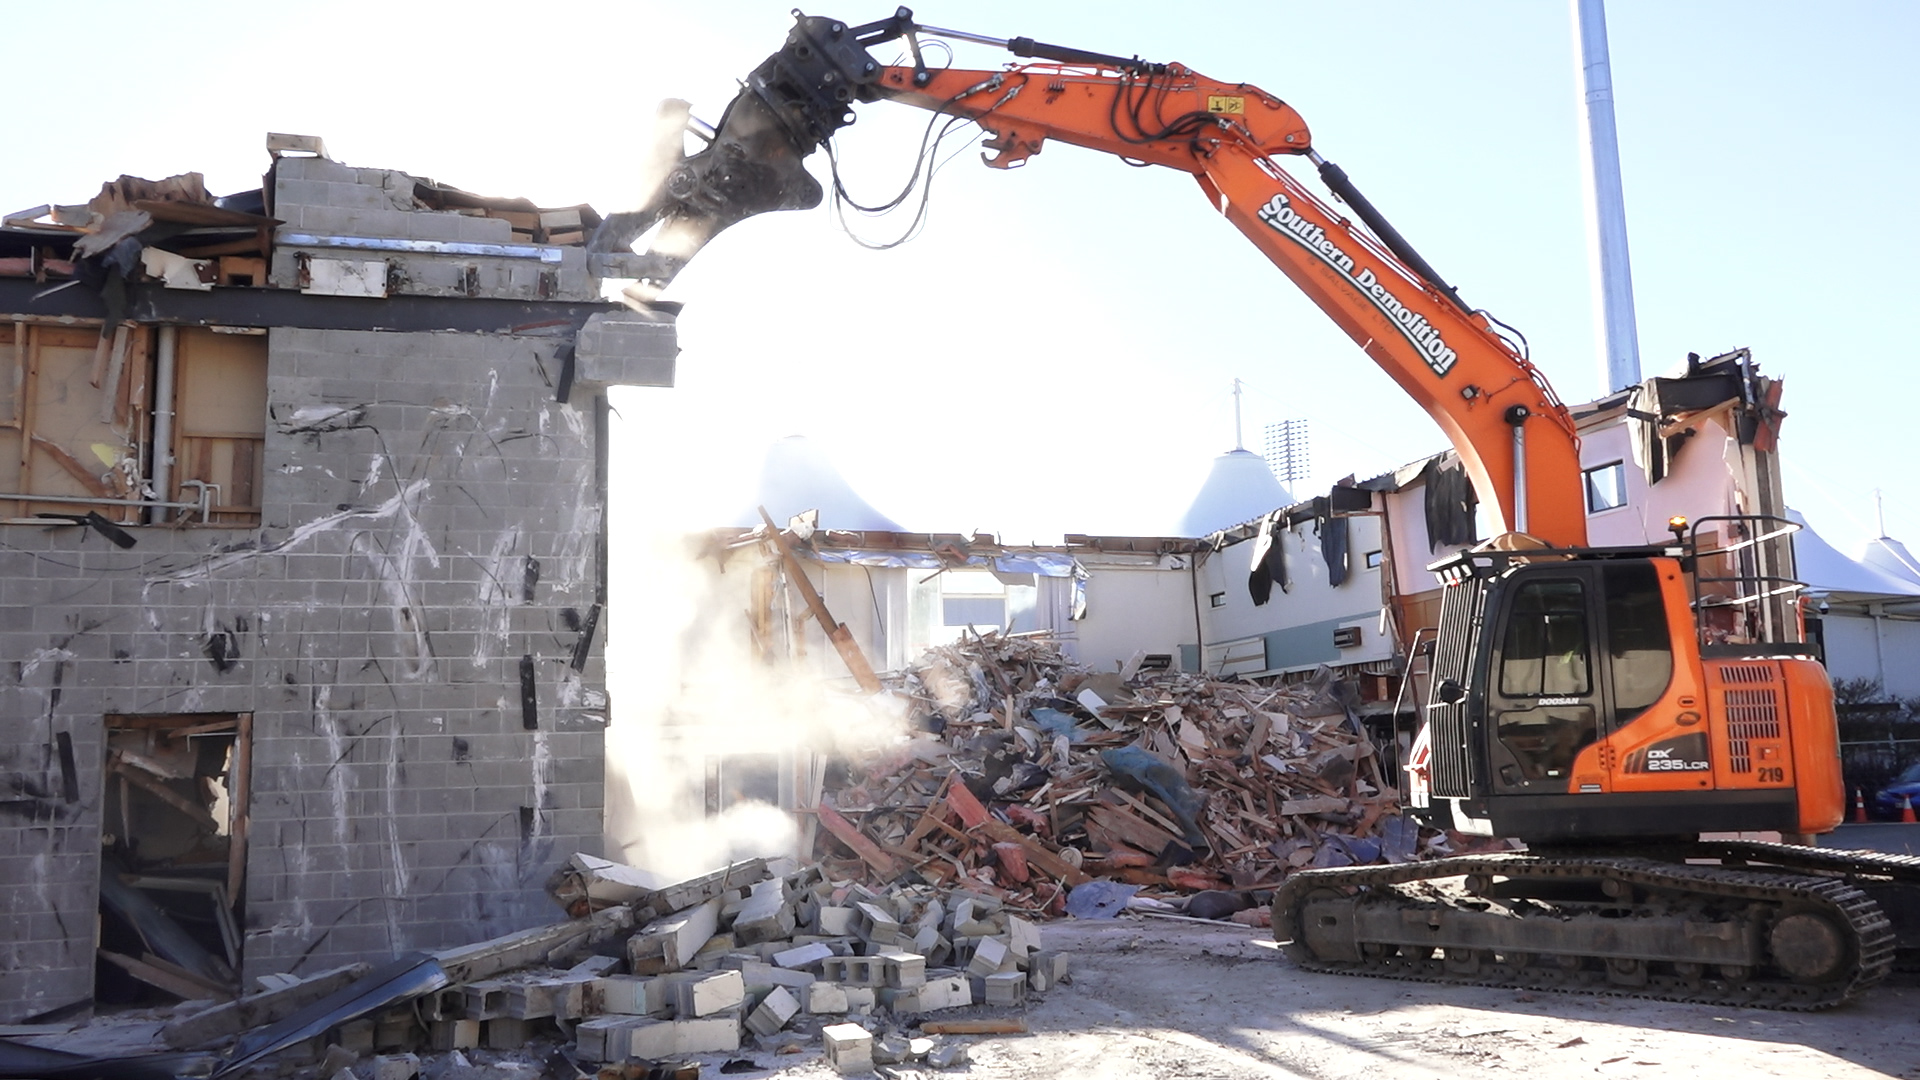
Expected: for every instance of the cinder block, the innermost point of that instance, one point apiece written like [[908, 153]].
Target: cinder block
[[1006, 988], [596, 966], [988, 953], [706, 994], [659, 1039], [825, 998], [903, 970], [534, 1000], [803, 956], [486, 999], [444, 1035], [1023, 937], [773, 1013], [505, 1033], [357, 1036], [1045, 969], [605, 1038], [860, 999], [849, 1048], [875, 924], [854, 970], [396, 1067], [833, 921], [949, 991]]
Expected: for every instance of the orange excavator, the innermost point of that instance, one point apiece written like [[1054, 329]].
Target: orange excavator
[[1605, 706]]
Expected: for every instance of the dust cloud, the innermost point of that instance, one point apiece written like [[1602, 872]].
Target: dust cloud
[[708, 744]]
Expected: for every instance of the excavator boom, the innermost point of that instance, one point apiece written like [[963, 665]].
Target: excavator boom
[[1515, 439]]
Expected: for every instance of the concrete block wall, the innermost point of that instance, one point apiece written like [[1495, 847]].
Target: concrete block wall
[[315, 196], [400, 797]]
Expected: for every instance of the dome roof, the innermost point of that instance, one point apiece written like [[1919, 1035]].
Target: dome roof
[[1240, 487], [795, 477]]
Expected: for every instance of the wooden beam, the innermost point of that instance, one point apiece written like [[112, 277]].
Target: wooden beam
[[239, 806], [848, 834], [837, 633], [1038, 854], [1009, 1026], [88, 480], [184, 989]]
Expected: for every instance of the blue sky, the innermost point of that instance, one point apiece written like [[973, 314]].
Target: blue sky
[[1055, 351]]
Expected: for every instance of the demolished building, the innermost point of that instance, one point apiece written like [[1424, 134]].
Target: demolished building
[[301, 571]]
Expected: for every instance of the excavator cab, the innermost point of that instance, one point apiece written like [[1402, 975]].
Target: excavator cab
[[1616, 693]]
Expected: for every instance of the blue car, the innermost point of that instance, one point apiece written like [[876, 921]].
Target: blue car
[[1892, 799]]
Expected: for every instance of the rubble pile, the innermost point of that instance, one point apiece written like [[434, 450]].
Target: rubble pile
[[1031, 775], [756, 956]]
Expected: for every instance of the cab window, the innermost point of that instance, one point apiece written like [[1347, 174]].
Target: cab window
[[1545, 652]]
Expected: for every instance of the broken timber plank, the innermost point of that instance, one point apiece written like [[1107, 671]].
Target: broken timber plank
[[467, 963], [846, 833], [258, 1009], [1131, 830], [1037, 853], [1009, 1026], [837, 633], [184, 989]]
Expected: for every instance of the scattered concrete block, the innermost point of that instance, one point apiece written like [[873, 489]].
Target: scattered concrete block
[[486, 999], [335, 1059], [396, 1067], [446, 1003], [766, 915], [660, 1039], [470, 963], [605, 1038], [1006, 988], [596, 966], [670, 944], [860, 999], [444, 1035], [357, 1036], [773, 1013], [988, 952], [505, 1033], [825, 998], [875, 924], [628, 995], [802, 956], [717, 948], [854, 970], [394, 1030], [1045, 969], [849, 1048], [532, 1000], [903, 970], [834, 921], [919, 1048], [706, 994], [949, 991], [1023, 937]]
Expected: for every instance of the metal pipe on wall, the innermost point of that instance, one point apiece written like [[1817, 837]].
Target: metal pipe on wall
[[162, 470], [1607, 223]]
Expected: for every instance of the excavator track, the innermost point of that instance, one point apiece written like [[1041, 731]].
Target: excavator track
[[1596, 924]]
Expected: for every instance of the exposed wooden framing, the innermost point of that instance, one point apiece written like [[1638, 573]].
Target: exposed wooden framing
[[239, 805], [73, 466], [29, 383], [159, 790]]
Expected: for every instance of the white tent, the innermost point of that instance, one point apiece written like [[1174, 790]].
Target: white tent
[[1827, 572], [1240, 487], [1891, 557]]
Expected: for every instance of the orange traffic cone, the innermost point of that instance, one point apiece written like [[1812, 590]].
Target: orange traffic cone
[[1859, 807], [1906, 810]]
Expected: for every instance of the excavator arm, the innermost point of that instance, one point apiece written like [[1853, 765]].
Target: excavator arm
[[1514, 437]]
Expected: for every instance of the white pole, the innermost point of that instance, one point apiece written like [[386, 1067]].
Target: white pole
[[162, 468], [1239, 443], [1613, 290]]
